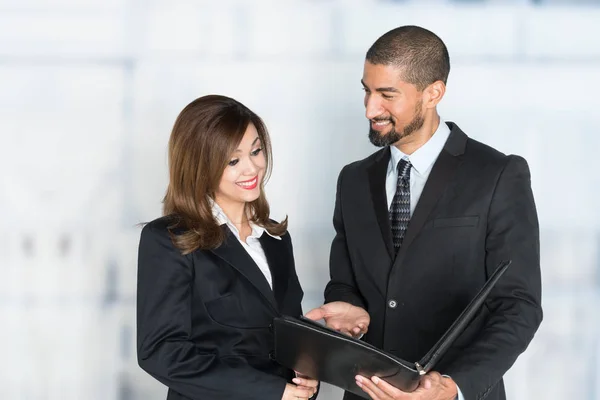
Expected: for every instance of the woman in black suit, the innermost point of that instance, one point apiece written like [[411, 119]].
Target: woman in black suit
[[215, 270]]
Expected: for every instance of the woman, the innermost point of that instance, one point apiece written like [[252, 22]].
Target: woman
[[215, 270]]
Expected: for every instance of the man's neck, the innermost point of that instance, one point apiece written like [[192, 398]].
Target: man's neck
[[414, 141]]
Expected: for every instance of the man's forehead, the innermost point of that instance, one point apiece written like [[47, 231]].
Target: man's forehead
[[382, 74]]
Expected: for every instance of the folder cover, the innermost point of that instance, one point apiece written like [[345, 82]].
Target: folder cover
[[329, 356]]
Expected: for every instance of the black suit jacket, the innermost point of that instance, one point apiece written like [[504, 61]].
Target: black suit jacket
[[476, 209], [203, 320]]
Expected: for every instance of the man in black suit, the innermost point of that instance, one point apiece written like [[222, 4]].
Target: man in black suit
[[420, 226]]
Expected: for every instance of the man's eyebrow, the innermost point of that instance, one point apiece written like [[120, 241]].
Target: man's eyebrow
[[382, 89]]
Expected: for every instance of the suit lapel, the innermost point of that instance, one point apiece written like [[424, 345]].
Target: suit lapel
[[377, 173], [232, 252], [278, 264], [441, 173]]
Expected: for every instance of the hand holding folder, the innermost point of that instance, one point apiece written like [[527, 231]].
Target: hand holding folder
[[330, 356], [343, 317]]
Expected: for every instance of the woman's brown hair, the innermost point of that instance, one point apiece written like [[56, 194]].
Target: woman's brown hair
[[205, 134]]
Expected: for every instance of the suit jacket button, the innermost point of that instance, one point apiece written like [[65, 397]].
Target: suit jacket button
[[392, 304]]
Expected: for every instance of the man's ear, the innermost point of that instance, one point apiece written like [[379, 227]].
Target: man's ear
[[433, 94]]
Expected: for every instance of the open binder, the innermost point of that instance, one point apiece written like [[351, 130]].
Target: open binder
[[324, 354]]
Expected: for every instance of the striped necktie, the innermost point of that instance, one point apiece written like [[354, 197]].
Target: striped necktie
[[400, 208]]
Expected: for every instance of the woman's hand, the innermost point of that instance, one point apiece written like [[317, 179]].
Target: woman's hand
[[306, 382], [293, 392], [304, 389]]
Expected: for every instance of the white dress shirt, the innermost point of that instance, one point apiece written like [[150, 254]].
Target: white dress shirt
[[422, 161], [252, 244]]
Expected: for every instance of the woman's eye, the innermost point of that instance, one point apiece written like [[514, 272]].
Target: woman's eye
[[256, 152], [233, 162]]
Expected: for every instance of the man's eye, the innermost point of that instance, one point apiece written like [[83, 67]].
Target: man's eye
[[387, 97], [233, 162]]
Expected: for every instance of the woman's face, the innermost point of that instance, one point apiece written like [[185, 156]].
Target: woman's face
[[243, 175]]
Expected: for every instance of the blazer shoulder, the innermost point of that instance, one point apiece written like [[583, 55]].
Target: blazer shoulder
[[483, 151], [483, 154], [158, 225], [365, 162], [158, 231]]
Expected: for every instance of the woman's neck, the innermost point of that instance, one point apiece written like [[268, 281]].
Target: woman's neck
[[235, 212], [238, 217]]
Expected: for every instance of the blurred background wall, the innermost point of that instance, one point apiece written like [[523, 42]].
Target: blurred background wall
[[89, 90]]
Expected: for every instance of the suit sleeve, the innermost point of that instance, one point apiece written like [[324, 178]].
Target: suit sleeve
[[292, 274], [342, 285], [297, 282], [514, 305], [164, 328]]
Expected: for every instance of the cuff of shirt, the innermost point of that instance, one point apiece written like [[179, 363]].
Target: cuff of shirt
[[460, 395]]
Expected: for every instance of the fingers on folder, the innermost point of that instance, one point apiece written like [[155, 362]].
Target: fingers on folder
[[298, 392], [316, 314], [303, 380], [343, 317], [378, 389]]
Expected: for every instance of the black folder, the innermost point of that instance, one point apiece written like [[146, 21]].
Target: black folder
[[329, 356]]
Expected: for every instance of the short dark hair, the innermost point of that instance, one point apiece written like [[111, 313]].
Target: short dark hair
[[420, 53]]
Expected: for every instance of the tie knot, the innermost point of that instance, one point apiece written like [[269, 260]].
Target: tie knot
[[403, 168]]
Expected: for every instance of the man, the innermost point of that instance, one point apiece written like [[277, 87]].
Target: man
[[420, 226]]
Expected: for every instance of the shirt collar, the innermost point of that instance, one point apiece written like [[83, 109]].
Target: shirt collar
[[223, 219], [423, 158]]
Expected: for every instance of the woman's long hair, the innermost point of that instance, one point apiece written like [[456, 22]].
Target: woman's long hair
[[204, 136]]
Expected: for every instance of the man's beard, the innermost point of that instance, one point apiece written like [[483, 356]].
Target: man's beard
[[380, 140]]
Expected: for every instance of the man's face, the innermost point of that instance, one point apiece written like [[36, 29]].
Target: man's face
[[393, 106]]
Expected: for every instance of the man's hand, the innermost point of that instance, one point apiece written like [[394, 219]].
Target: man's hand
[[433, 386], [343, 317]]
